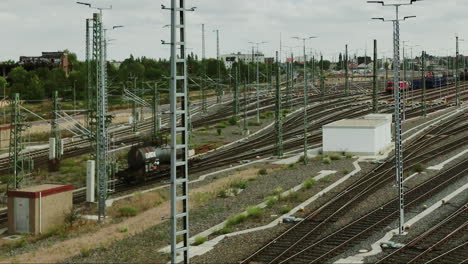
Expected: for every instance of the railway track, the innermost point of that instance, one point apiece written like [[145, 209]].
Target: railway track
[[294, 245], [438, 244]]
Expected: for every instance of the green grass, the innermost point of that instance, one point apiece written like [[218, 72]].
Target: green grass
[[349, 156], [284, 209], [232, 121], [127, 211], [262, 172], [419, 168], [327, 160], [326, 179], [345, 172], [278, 191], [123, 229], [223, 231], [235, 220], [255, 212], [199, 241], [309, 183], [271, 200], [254, 123], [239, 184], [335, 156]]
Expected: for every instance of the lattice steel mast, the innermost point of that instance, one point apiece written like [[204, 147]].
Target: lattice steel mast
[[179, 132], [16, 143], [278, 114]]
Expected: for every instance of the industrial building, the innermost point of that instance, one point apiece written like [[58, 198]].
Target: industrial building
[[370, 135], [229, 59], [38, 208]]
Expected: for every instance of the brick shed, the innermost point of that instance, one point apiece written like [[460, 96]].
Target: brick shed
[[36, 209]]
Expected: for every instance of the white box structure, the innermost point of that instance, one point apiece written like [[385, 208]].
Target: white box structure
[[370, 135]]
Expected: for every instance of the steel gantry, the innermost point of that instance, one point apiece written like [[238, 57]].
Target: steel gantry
[[179, 131], [278, 113], [398, 105]]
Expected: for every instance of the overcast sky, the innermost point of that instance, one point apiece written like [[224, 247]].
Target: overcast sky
[[32, 26]]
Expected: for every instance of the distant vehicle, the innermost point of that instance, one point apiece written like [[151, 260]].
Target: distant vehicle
[[390, 87]]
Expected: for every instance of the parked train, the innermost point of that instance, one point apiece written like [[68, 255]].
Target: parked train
[[432, 81], [145, 160]]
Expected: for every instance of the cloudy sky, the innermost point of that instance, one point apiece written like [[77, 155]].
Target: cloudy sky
[[32, 26]]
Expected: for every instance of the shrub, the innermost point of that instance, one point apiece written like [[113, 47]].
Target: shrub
[[349, 156], [221, 125], [302, 159], [123, 229], [240, 185], [292, 166], [254, 123], [223, 194], [262, 172], [224, 230], [345, 172], [292, 196], [254, 212], [326, 179], [72, 217], [199, 241], [271, 200], [326, 160], [284, 209], [251, 179], [232, 121], [419, 168], [127, 211], [335, 156], [278, 191], [85, 252], [235, 220], [219, 131], [309, 183]]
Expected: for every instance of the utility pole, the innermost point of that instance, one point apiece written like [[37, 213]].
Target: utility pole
[[245, 130], [346, 71], [236, 96], [423, 78], [278, 117], [134, 108], [291, 91], [204, 107], [288, 82], [55, 159], [322, 79], [403, 94], [218, 87], [375, 104], [457, 73], [398, 103], [179, 132], [155, 113], [257, 90]]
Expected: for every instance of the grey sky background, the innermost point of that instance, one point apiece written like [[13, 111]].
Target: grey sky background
[[32, 26]]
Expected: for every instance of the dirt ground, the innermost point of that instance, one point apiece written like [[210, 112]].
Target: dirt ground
[[107, 235]]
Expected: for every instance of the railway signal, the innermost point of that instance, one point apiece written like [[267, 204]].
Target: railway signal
[[398, 103]]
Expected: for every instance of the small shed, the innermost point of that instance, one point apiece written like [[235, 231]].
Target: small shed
[[38, 208], [369, 135]]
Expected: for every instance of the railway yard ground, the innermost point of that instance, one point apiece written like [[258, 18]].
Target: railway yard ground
[[231, 202]]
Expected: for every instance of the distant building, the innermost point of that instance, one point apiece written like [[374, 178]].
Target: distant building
[[230, 59], [49, 60]]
